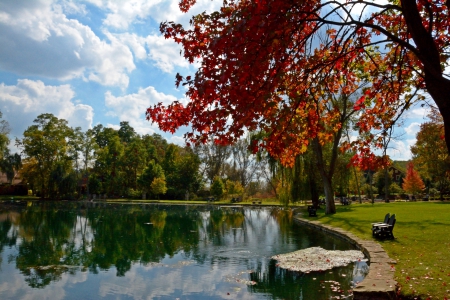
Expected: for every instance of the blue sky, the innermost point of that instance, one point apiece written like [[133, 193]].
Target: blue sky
[[102, 62]]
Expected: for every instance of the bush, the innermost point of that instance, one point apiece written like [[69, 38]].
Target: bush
[[134, 194]]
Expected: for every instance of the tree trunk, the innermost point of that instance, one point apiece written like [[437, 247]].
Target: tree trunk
[[437, 85], [327, 184], [313, 186], [386, 185], [329, 195], [357, 185]]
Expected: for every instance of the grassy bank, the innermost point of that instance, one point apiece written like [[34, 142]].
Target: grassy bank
[[421, 247]]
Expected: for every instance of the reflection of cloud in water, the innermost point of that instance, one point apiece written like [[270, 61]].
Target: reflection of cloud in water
[[173, 280], [17, 288]]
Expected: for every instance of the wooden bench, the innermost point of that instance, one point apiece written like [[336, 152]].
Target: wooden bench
[[235, 200], [312, 211], [385, 221], [384, 230]]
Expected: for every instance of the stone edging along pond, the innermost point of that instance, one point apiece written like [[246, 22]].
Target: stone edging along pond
[[379, 282]]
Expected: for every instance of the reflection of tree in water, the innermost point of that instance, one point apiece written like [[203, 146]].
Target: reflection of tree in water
[[53, 240], [8, 237], [284, 217], [222, 220], [43, 245], [285, 284], [145, 236], [57, 240]]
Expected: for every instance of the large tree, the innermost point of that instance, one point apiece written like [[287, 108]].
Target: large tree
[[430, 154], [46, 142], [258, 59]]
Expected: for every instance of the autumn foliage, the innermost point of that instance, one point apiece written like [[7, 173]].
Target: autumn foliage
[[412, 183], [276, 66]]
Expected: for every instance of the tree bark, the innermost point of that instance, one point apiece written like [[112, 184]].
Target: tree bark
[[437, 85], [326, 179], [386, 185]]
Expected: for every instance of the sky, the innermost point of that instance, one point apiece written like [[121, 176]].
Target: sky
[[103, 62]]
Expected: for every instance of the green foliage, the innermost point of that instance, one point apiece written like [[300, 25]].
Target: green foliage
[[95, 185], [217, 187], [46, 142], [368, 189], [233, 187], [394, 188], [158, 186], [4, 131], [10, 164], [134, 194], [151, 172], [126, 132]]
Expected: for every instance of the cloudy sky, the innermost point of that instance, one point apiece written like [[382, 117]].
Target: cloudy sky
[[101, 62]]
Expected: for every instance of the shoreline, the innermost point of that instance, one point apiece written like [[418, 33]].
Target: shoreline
[[379, 284]]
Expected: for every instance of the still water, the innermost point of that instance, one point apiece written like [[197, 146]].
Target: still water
[[74, 251]]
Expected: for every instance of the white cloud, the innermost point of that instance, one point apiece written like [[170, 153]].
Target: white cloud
[[132, 107], [38, 39], [177, 140], [22, 103], [412, 129], [418, 112], [121, 14], [400, 149], [164, 53]]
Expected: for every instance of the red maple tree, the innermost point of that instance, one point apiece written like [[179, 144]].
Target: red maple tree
[[412, 183], [274, 66]]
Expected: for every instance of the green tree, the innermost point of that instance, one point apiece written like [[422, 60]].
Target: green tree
[[151, 172], [156, 147], [133, 161], [47, 143], [108, 167], [217, 187], [394, 188], [158, 186], [4, 131], [103, 135], [126, 132], [181, 167], [10, 164], [233, 188], [88, 149]]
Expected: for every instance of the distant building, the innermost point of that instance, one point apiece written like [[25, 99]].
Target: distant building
[[397, 175]]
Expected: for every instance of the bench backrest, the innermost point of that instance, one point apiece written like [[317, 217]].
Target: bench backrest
[[392, 220], [386, 218]]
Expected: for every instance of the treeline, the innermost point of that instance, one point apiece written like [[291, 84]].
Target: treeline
[[61, 162]]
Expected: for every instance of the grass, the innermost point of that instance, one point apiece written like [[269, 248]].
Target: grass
[[421, 245], [14, 198]]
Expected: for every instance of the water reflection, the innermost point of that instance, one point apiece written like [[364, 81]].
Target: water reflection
[[75, 251]]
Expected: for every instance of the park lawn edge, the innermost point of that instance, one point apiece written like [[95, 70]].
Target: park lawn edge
[[420, 247]]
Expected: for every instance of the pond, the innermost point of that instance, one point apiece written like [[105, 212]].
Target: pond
[[152, 251]]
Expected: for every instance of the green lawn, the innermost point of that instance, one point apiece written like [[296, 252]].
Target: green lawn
[[421, 246]]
